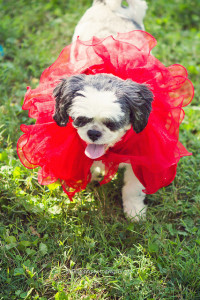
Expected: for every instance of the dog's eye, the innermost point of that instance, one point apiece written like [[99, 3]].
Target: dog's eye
[[82, 121], [111, 125]]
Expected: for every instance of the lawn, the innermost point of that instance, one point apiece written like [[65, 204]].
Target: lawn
[[51, 248]]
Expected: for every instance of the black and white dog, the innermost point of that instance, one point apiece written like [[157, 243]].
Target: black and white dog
[[103, 107]]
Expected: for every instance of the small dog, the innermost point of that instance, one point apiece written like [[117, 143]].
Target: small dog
[[102, 106], [108, 17]]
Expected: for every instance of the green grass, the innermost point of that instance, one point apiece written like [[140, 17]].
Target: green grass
[[53, 249]]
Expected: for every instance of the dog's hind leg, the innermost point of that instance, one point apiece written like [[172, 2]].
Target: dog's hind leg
[[133, 196]]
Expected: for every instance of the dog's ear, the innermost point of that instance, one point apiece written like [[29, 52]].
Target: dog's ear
[[138, 98], [64, 93], [60, 116]]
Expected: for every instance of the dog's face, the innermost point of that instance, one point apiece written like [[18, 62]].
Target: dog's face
[[103, 107]]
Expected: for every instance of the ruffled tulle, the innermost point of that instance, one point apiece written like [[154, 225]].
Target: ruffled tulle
[[153, 153]]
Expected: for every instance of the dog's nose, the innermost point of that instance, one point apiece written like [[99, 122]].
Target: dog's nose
[[94, 134]]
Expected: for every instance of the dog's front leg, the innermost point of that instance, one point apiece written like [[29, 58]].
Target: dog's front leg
[[132, 196], [97, 171]]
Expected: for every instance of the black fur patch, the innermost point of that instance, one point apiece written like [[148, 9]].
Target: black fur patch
[[82, 121], [137, 25], [136, 99], [64, 93], [114, 125]]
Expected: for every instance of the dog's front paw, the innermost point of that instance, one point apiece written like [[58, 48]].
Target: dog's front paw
[[135, 209], [97, 171]]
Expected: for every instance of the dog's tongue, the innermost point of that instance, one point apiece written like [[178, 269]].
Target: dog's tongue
[[94, 151]]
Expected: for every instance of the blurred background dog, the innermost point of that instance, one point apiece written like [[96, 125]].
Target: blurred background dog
[[108, 17]]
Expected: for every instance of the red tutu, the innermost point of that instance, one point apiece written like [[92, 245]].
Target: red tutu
[[153, 153]]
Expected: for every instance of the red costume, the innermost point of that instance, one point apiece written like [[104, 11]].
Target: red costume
[[153, 153]]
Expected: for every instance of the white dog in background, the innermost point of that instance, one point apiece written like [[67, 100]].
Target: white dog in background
[[102, 106], [108, 17]]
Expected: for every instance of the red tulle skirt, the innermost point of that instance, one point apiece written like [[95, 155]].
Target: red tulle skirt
[[153, 153]]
